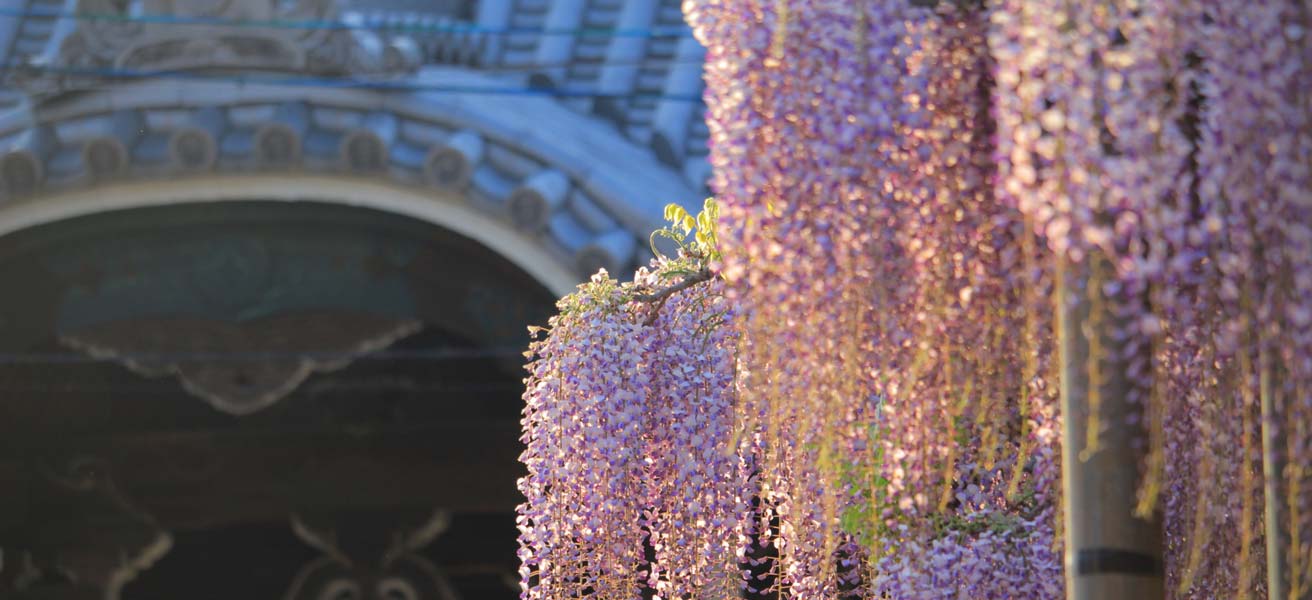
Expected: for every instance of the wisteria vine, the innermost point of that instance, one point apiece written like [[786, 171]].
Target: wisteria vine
[[634, 481], [852, 390]]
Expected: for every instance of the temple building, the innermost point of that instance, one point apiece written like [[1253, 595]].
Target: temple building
[[268, 269]]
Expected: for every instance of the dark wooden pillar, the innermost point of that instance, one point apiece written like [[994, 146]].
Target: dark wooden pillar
[[1273, 472], [1110, 553]]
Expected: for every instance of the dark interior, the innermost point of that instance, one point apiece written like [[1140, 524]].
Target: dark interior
[[98, 456]]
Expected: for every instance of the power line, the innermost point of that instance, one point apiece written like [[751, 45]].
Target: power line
[[155, 388], [533, 67], [503, 68], [339, 25], [435, 355], [343, 83]]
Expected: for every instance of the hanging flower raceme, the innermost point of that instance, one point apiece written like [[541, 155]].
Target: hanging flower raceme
[[795, 93], [699, 477], [585, 416], [636, 479], [1169, 141], [1255, 195], [986, 548], [870, 260], [978, 413], [869, 395]]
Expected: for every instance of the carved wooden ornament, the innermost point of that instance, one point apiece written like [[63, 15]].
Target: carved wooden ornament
[[241, 368], [397, 573]]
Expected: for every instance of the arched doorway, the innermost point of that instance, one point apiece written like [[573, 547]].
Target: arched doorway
[[256, 399]]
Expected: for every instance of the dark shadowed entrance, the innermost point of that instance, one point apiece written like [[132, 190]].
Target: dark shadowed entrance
[[259, 400]]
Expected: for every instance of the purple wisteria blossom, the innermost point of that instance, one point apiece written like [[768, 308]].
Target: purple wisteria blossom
[[860, 398], [630, 445]]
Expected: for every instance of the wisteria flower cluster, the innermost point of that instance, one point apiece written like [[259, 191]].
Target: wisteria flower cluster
[[1171, 141], [634, 478], [852, 391], [883, 284]]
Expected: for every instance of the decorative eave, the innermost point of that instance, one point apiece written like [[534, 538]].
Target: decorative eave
[[202, 35], [644, 82], [565, 181]]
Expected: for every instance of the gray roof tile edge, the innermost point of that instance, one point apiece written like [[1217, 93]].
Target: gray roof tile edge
[[621, 179]]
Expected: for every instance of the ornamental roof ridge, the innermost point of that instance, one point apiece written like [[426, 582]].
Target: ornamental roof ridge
[[231, 35], [574, 187]]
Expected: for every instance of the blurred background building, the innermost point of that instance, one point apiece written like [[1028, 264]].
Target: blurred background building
[[267, 270]]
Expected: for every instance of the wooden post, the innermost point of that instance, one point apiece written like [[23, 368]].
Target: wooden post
[[1110, 553], [1277, 538]]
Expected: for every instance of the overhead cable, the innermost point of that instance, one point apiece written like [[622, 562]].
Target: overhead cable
[[432, 354], [405, 85], [351, 25]]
